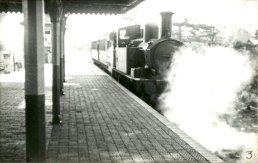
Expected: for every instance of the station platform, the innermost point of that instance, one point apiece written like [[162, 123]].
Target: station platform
[[102, 122]]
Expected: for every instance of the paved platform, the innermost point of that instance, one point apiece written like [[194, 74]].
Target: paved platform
[[12, 116], [103, 122]]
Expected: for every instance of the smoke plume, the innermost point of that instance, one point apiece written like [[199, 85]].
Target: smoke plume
[[203, 86]]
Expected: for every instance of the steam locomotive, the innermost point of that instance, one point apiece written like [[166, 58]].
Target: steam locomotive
[[137, 58]]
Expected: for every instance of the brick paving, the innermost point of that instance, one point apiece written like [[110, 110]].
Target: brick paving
[[102, 123], [12, 121]]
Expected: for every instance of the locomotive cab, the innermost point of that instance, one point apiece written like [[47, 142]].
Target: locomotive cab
[[127, 53], [129, 36], [131, 48]]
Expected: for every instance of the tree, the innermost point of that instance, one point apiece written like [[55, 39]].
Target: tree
[[188, 32]]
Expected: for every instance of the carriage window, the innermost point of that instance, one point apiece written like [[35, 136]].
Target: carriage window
[[123, 38], [123, 35], [109, 44], [94, 45], [102, 44]]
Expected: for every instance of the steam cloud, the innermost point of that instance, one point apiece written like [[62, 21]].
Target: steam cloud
[[203, 83]]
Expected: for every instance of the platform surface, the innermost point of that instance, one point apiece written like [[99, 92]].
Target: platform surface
[[103, 122]]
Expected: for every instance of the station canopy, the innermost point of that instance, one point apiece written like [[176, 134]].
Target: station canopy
[[78, 6]]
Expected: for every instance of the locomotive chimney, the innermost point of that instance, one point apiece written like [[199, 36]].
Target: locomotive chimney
[[166, 24]]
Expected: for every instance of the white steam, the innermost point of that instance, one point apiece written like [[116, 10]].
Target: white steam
[[203, 83]]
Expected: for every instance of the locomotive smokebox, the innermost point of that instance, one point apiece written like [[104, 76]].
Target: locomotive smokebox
[[166, 24], [158, 55]]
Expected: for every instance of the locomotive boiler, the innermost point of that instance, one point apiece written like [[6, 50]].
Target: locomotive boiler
[[137, 57]]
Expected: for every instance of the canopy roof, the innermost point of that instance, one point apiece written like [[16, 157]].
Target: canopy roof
[[79, 6]]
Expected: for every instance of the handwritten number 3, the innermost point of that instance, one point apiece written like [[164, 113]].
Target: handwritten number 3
[[250, 154]]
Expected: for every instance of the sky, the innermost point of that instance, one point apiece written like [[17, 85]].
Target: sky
[[223, 14], [234, 13]]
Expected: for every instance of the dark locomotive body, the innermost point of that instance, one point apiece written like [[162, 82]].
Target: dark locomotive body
[[137, 58]]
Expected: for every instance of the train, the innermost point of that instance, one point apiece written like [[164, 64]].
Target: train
[[137, 57]]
